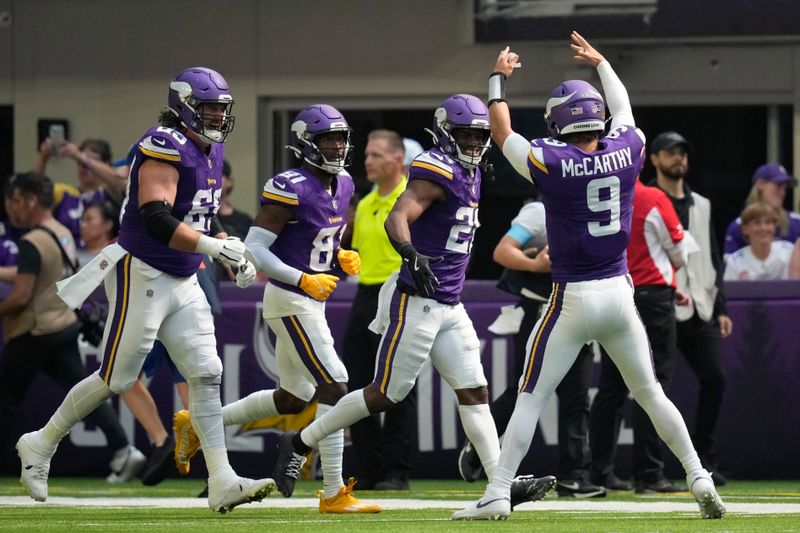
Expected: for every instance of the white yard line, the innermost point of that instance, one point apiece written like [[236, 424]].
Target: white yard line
[[567, 506]]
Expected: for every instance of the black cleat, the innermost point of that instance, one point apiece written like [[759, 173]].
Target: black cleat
[[469, 464], [288, 465], [578, 488], [662, 486], [160, 463], [530, 489]]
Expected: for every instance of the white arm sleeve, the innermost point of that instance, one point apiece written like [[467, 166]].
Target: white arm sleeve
[[258, 241], [616, 96], [516, 150]]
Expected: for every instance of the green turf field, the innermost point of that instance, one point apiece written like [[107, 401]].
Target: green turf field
[[763, 507]]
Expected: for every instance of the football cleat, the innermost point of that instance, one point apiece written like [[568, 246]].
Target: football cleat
[[579, 488], [159, 464], [469, 464], [345, 502], [186, 442], [35, 466], [126, 465], [486, 508], [225, 494], [705, 493], [530, 489], [288, 465]]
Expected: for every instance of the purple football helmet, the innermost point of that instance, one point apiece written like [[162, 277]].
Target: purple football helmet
[[315, 120], [190, 90], [574, 106], [462, 111]]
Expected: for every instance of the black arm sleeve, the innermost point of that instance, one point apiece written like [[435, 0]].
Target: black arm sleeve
[[29, 262], [158, 221]]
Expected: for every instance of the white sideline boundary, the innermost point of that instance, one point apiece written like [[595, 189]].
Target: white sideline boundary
[[566, 506]]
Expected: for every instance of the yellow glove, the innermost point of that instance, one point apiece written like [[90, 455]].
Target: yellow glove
[[318, 286], [350, 261]]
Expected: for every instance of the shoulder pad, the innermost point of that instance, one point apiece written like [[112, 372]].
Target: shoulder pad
[[282, 189], [163, 144], [431, 163]]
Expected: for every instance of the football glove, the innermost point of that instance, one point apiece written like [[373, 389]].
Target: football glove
[[318, 286], [229, 251], [350, 261], [246, 274], [419, 267]]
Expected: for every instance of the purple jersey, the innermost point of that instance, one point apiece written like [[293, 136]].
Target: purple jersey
[[196, 202], [446, 228], [310, 240], [588, 198], [8, 252]]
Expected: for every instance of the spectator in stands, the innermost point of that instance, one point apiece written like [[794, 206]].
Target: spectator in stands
[[523, 251], [235, 222], [704, 322], [97, 180], [382, 450], [39, 330], [765, 257], [657, 247], [99, 226], [770, 182]]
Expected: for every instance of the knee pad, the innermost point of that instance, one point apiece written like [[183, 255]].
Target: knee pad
[[645, 396]]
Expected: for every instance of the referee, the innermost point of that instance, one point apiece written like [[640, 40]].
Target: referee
[[382, 452]]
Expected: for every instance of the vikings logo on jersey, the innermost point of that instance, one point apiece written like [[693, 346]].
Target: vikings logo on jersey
[[196, 201], [447, 228], [310, 240]]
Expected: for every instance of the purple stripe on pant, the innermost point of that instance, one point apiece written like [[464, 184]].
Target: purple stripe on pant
[[540, 337], [305, 349], [391, 339], [114, 339]]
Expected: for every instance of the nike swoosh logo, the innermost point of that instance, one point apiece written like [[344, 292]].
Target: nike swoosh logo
[[279, 185], [162, 142], [416, 263], [481, 504], [570, 486]]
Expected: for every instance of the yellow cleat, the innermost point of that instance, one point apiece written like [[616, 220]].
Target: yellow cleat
[[345, 502], [186, 442]]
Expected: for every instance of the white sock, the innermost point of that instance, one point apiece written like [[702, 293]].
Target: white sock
[[205, 410], [258, 405], [86, 396], [347, 411], [482, 433], [331, 449], [669, 425], [517, 440]]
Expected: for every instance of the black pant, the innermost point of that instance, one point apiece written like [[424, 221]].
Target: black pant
[[656, 309], [700, 343], [573, 400], [57, 356], [382, 452]]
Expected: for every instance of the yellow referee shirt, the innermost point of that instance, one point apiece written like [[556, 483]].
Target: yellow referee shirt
[[378, 258]]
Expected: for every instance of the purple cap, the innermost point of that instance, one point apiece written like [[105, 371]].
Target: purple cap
[[774, 172]]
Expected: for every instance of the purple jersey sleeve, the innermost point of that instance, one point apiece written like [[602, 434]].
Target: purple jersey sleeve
[[280, 189], [9, 252], [588, 198]]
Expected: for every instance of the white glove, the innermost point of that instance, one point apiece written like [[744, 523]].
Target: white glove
[[246, 274], [230, 251]]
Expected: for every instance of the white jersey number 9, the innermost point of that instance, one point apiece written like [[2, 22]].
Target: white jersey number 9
[[609, 203]]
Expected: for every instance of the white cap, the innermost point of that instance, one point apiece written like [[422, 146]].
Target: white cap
[[413, 149]]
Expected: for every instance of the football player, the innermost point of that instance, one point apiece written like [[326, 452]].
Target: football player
[[295, 241], [432, 226], [168, 224], [586, 179]]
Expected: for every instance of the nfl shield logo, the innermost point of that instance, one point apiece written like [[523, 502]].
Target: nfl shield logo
[[426, 309], [335, 204], [103, 264], [149, 293]]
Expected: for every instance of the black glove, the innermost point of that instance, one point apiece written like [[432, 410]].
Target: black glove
[[419, 267]]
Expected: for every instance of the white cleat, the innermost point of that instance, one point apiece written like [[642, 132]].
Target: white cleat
[[485, 509], [35, 467], [705, 493], [126, 465], [224, 495]]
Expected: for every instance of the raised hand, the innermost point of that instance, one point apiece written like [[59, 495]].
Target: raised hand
[[506, 61], [584, 51]]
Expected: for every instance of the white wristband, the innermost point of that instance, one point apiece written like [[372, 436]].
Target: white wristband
[[209, 246]]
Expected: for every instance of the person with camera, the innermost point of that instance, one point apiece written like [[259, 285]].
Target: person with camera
[[40, 332]]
